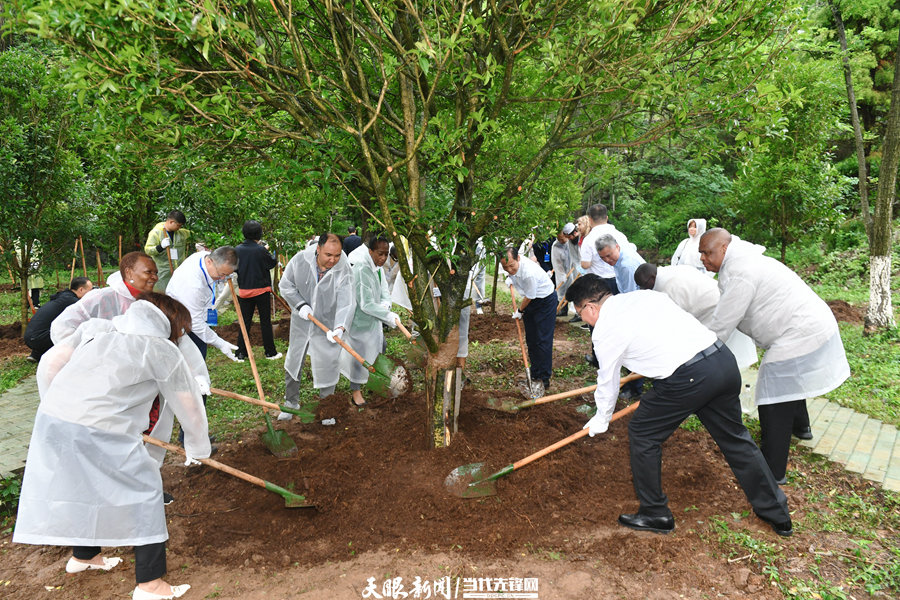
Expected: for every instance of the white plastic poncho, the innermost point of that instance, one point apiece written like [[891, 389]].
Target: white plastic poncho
[[331, 301], [699, 295], [565, 258], [373, 304], [688, 251], [766, 300], [112, 301], [89, 480]]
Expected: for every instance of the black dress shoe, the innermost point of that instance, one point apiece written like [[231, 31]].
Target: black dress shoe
[[785, 529], [591, 360], [803, 434], [648, 523], [575, 319]]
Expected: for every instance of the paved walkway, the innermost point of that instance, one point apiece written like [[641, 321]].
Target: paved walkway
[[860, 443]]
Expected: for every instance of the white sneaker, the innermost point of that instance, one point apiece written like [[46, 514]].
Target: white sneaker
[[478, 311], [177, 592], [76, 566], [275, 356], [283, 416]]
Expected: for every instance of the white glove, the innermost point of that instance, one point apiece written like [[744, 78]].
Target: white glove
[[597, 424], [227, 349], [166, 242], [190, 461], [203, 384], [517, 315], [334, 334], [304, 312], [392, 319]]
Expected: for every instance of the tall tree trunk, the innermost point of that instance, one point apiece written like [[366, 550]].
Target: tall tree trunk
[[880, 314], [865, 213]]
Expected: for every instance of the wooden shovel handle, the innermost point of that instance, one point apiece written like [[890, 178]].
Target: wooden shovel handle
[[584, 390], [580, 434], [247, 346], [243, 398], [404, 330], [344, 345], [169, 256], [512, 295], [565, 278], [283, 301], [208, 462]]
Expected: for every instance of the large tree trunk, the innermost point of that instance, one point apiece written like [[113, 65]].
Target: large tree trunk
[[865, 213], [880, 314]]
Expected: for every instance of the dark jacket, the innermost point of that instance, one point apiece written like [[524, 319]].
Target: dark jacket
[[39, 325], [351, 243], [254, 264]]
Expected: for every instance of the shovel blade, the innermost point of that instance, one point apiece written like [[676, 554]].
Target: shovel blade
[[291, 500], [502, 405], [467, 481], [279, 443], [394, 384]]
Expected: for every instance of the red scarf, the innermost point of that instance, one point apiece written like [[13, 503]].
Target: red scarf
[[134, 291]]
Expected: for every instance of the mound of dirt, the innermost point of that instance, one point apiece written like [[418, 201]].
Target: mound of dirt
[[844, 311]]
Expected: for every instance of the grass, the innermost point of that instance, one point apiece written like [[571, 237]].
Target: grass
[[13, 370]]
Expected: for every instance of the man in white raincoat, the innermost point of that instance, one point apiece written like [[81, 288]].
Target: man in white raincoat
[[373, 307], [316, 281], [89, 481], [136, 274], [688, 250], [804, 353]]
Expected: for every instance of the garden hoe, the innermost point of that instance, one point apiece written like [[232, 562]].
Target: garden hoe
[[291, 500], [531, 392], [278, 442], [385, 379], [468, 481], [510, 406]]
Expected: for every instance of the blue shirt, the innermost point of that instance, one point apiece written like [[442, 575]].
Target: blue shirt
[[625, 267]]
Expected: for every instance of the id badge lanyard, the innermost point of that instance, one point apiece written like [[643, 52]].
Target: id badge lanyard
[[212, 315]]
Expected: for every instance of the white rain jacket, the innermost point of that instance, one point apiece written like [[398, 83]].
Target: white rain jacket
[[564, 258], [331, 301], [373, 304], [112, 301], [89, 480], [688, 251], [699, 295], [767, 301]]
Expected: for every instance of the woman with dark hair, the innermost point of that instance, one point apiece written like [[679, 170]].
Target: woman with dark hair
[[254, 278], [89, 480]]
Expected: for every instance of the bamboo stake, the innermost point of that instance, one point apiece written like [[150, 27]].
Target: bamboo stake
[[99, 270], [74, 260], [494, 289], [83, 262], [120, 247]]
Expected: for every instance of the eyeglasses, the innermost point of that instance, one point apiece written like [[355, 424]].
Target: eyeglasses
[[218, 276], [578, 310]]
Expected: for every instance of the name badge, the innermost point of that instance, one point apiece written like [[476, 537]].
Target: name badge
[[173, 252], [212, 317]]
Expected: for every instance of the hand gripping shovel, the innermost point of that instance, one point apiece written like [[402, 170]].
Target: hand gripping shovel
[[385, 379], [510, 406], [530, 393], [279, 443], [458, 481], [291, 500]]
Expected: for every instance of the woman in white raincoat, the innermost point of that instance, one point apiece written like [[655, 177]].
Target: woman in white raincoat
[[316, 281], [688, 251], [373, 307], [89, 481], [136, 275], [804, 354]]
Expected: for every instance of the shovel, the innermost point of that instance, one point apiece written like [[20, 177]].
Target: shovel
[[271, 405], [385, 379], [415, 352], [291, 500], [531, 393], [279, 443], [510, 406], [468, 481]]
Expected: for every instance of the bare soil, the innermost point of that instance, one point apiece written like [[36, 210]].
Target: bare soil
[[382, 510]]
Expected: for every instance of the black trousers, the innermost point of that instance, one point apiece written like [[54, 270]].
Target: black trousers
[[776, 424], [539, 319], [149, 560], [39, 344], [263, 304], [709, 388]]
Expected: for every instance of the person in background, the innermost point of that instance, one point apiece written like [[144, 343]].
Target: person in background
[[564, 256], [316, 282], [89, 480], [373, 308], [166, 240], [254, 280], [693, 373], [688, 251], [352, 241], [37, 333], [590, 260], [536, 309], [804, 353]]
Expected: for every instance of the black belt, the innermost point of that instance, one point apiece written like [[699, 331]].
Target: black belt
[[704, 353]]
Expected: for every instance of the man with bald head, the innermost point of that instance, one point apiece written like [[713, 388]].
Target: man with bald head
[[804, 354]]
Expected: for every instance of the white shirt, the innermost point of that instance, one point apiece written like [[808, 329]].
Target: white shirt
[[589, 251], [689, 289], [192, 285], [531, 280], [647, 333]]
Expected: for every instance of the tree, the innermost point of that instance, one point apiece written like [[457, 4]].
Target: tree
[[444, 123], [880, 313]]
